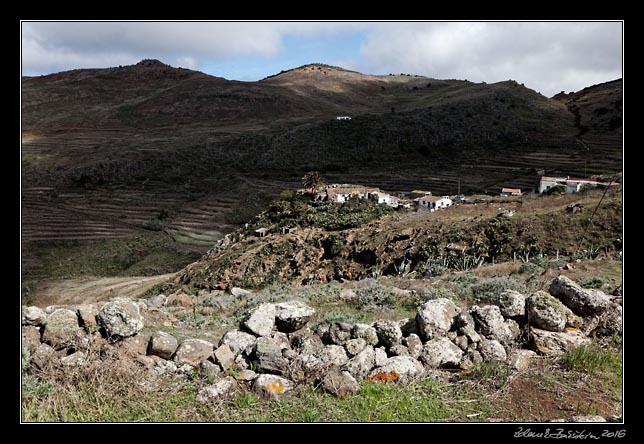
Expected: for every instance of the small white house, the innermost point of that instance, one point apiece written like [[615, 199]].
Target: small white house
[[434, 202], [343, 118], [548, 182]]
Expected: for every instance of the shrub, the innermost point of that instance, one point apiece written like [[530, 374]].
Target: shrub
[[488, 289]]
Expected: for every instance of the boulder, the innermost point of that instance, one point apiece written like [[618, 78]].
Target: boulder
[[62, 329], [408, 326], [339, 383], [261, 321], [492, 351], [355, 346], [271, 386], [441, 353], [208, 368], [399, 350], [435, 317], [519, 359], [240, 292], [512, 304], [120, 318], [333, 355], [165, 368], [347, 295], [246, 375], [163, 344], [461, 342], [470, 333], [463, 320], [584, 302], [472, 358], [30, 337], [339, 333], [291, 316], [414, 345], [401, 369], [33, 316], [134, 346], [305, 341], [362, 363], [41, 357], [547, 312], [267, 357], [556, 343], [225, 357], [220, 389], [607, 323], [366, 332], [306, 367], [491, 324], [238, 341], [193, 352], [380, 356], [180, 299], [157, 301], [280, 339], [76, 359], [389, 332], [87, 317]]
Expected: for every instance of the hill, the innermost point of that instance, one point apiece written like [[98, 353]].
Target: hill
[[167, 159]]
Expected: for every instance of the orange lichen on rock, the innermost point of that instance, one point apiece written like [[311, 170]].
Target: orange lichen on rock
[[274, 387], [384, 377]]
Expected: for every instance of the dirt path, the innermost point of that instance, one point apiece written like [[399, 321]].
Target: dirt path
[[88, 290]]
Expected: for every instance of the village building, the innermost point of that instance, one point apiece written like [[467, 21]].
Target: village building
[[433, 202], [343, 118], [571, 184], [419, 193], [505, 192]]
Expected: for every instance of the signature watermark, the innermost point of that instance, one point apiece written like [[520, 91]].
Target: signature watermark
[[561, 433]]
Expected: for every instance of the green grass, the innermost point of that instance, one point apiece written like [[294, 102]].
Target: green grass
[[592, 359]]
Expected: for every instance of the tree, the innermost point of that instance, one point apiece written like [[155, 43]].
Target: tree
[[312, 180]]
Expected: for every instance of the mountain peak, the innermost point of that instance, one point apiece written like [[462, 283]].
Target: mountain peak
[[152, 63]]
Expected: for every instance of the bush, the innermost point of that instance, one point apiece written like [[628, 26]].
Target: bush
[[375, 296], [591, 359], [489, 289]]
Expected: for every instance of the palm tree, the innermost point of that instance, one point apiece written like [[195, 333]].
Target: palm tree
[[312, 180]]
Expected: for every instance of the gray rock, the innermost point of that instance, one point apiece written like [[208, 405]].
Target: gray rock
[[519, 359], [30, 337], [451, 335], [512, 304], [405, 367], [280, 339], [62, 329], [584, 302], [414, 345], [461, 342], [556, 343], [76, 359], [163, 344], [87, 317], [389, 333], [380, 356], [607, 323], [347, 295], [339, 383], [238, 341], [246, 375], [241, 362], [398, 350], [355, 346], [334, 355], [165, 368], [272, 386], [306, 341], [157, 301], [470, 333], [362, 363], [441, 353], [547, 312], [408, 326], [366, 332], [240, 292], [339, 333], [193, 352], [261, 321], [492, 351], [120, 318], [267, 357], [306, 367], [33, 316], [220, 389], [208, 368], [588, 418], [474, 356], [225, 357], [435, 317], [42, 356], [491, 324], [293, 315], [463, 320]]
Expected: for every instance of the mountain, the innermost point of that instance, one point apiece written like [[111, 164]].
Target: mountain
[[149, 149]]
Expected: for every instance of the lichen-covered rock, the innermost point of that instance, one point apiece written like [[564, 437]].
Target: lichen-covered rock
[[33, 316], [435, 317], [607, 323], [556, 343], [120, 318], [246, 375], [30, 337], [305, 341], [380, 356], [366, 332], [414, 345], [547, 312], [220, 389], [512, 304], [519, 359], [398, 350], [355, 346], [401, 369], [267, 357], [362, 363], [334, 355], [470, 333], [272, 386], [238, 341], [163, 344], [42, 356], [491, 324], [76, 359], [261, 321], [157, 301], [165, 368], [62, 329], [339, 383], [408, 326], [464, 319], [87, 317], [180, 299], [193, 352], [208, 368], [291, 316], [280, 339], [339, 333], [461, 342], [492, 351], [441, 353], [389, 333], [225, 357], [584, 302]]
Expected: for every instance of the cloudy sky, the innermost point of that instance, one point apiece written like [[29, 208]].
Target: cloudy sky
[[546, 56]]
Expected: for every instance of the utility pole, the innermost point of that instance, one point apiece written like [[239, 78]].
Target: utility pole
[[459, 187]]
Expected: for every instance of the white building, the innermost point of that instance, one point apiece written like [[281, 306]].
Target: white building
[[548, 182], [343, 118], [434, 202], [572, 185]]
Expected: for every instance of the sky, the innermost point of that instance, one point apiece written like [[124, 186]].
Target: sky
[[548, 57]]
